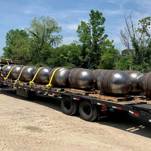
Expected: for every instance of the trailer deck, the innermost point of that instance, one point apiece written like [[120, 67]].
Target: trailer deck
[[89, 104]]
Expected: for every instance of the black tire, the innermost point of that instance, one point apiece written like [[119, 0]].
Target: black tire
[[88, 111], [69, 107]]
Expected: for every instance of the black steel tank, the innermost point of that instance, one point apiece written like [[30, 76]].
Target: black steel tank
[[135, 79], [96, 73], [6, 69], [146, 84], [43, 76], [81, 78], [28, 73], [15, 72], [60, 78], [114, 82], [98, 77]]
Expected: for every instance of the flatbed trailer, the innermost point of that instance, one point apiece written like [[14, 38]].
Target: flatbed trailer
[[90, 105]]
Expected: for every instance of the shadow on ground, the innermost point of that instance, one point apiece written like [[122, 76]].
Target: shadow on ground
[[124, 122], [119, 121]]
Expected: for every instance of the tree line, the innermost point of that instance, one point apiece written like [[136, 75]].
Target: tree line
[[41, 44]]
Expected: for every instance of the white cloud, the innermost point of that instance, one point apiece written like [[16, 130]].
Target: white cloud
[[113, 12], [79, 11], [70, 39], [28, 12], [144, 2], [35, 10], [72, 26]]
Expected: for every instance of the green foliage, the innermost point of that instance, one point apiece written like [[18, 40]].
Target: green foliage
[[65, 55], [44, 36], [109, 55], [139, 38], [39, 45], [124, 62], [17, 45], [84, 33], [35, 45], [91, 35]]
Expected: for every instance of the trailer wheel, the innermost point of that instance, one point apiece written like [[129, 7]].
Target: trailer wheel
[[69, 107], [88, 111]]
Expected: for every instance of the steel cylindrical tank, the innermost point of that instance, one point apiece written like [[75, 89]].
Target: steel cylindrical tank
[[28, 73], [114, 82], [6, 69], [81, 78], [43, 76], [60, 78], [135, 79], [146, 84], [15, 72], [98, 77]]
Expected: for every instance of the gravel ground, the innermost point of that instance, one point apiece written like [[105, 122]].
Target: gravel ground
[[37, 126]]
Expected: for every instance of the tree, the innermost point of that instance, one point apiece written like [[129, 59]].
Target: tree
[[124, 62], [65, 55], [109, 55], [35, 45], [91, 35], [17, 45], [44, 33], [137, 38]]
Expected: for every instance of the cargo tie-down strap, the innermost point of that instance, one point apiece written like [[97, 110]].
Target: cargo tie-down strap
[[49, 85], [5, 78], [32, 81], [17, 80], [2, 75]]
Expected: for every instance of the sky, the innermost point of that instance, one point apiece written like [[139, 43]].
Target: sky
[[68, 13]]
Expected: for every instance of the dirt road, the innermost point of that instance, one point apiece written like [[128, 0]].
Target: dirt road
[[33, 126]]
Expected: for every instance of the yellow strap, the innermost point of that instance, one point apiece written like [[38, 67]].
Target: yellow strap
[[1, 71], [2, 75], [5, 78], [32, 81], [3, 68], [19, 75], [49, 85]]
